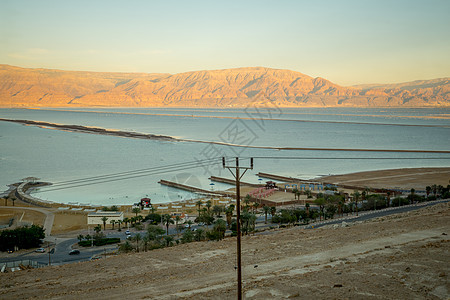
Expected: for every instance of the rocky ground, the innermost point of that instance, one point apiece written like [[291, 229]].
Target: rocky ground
[[403, 256]]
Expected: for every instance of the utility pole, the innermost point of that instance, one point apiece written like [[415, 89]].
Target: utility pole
[[238, 177]]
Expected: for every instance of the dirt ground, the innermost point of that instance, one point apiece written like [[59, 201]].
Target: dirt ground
[[403, 256], [20, 216]]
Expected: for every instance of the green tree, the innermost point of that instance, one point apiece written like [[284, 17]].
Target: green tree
[[428, 190], [80, 237], [187, 237], [189, 223], [273, 210], [167, 220], [217, 209], [112, 222], [126, 221], [321, 203], [169, 240], [199, 205], [356, 196], [104, 219], [266, 212], [177, 219], [119, 222], [13, 199], [199, 234], [220, 227], [126, 247], [229, 213], [136, 210], [247, 201], [208, 205], [137, 238], [154, 232], [98, 228]]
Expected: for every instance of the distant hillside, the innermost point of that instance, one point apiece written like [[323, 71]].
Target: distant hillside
[[20, 87]]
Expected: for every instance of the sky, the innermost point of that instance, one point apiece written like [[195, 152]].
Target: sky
[[346, 41]]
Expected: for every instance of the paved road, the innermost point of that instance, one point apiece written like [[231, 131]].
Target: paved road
[[363, 216]]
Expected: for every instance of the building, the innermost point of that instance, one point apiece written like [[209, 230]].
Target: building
[[95, 218]]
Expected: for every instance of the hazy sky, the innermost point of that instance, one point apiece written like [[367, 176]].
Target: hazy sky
[[347, 42]]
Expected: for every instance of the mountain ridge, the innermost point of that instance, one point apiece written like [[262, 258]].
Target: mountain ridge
[[237, 87]]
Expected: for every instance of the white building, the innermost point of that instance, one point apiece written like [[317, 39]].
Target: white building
[[95, 218]]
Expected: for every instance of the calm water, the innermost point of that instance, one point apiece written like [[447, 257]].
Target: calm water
[[60, 156]]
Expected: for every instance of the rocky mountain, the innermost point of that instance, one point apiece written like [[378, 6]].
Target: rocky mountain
[[20, 87]]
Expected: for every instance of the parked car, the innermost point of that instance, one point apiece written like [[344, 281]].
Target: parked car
[[74, 252], [127, 232], [40, 250]]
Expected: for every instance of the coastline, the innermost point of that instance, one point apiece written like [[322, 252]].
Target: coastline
[[137, 135]]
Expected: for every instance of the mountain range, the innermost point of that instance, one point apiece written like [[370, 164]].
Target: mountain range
[[239, 87]]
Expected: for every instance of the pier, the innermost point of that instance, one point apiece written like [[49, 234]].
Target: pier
[[232, 181], [194, 189]]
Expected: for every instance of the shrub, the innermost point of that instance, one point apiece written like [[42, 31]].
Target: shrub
[[22, 237]]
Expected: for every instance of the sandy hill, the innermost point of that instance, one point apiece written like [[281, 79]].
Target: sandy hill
[[402, 256], [217, 88]]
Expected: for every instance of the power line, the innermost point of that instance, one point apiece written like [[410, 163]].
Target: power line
[[135, 172], [82, 182]]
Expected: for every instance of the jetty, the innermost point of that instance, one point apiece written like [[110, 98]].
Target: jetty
[[232, 181], [195, 189]]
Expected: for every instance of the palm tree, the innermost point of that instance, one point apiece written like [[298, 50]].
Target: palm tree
[[136, 210], [98, 228], [199, 204], [177, 219], [294, 191], [412, 195], [119, 222], [199, 234], [255, 207], [167, 220], [321, 203], [112, 223], [137, 238], [104, 219], [298, 194], [428, 189], [169, 240], [208, 205], [266, 211], [247, 201], [356, 196], [189, 222], [229, 214], [220, 226], [307, 210], [126, 221], [217, 209], [273, 210], [13, 199], [80, 237]]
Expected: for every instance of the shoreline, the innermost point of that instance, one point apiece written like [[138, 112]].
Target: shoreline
[[137, 135]]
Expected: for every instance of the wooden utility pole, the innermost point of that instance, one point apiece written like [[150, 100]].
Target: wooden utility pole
[[238, 177]]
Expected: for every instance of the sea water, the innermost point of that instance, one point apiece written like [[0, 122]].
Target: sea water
[[75, 162]]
